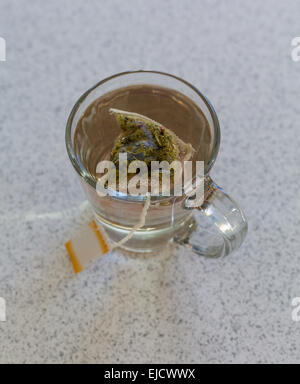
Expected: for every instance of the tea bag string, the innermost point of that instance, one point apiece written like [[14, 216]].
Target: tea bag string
[[138, 226]]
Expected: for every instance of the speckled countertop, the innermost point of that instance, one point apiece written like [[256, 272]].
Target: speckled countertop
[[167, 309]]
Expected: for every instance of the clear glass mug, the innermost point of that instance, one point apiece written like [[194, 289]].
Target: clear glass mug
[[215, 229]]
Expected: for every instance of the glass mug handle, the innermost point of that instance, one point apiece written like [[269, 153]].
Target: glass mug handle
[[227, 218]]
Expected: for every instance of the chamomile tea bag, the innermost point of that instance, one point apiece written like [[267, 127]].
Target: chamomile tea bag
[[143, 139], [147, 140]]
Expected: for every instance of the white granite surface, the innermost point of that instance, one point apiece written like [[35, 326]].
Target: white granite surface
[[177, 309]]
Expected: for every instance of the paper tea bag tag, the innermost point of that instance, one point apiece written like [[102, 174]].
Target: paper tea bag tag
[[87, 246]]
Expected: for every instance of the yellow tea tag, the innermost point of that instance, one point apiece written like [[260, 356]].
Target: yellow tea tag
[[87, 247]]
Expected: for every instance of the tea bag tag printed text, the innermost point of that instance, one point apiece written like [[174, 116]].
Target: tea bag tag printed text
[[88, 246]]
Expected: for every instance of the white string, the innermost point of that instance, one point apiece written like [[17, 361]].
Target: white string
[[138, 226]]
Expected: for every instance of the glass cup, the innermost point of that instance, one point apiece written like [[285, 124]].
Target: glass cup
[[214, 229]]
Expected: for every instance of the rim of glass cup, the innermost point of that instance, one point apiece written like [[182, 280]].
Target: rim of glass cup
[[70, 148]]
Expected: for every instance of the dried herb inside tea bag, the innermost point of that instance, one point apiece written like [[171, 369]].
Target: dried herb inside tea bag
[[147, 140]]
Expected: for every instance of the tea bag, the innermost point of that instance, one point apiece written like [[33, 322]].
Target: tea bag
[[147, 140]]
